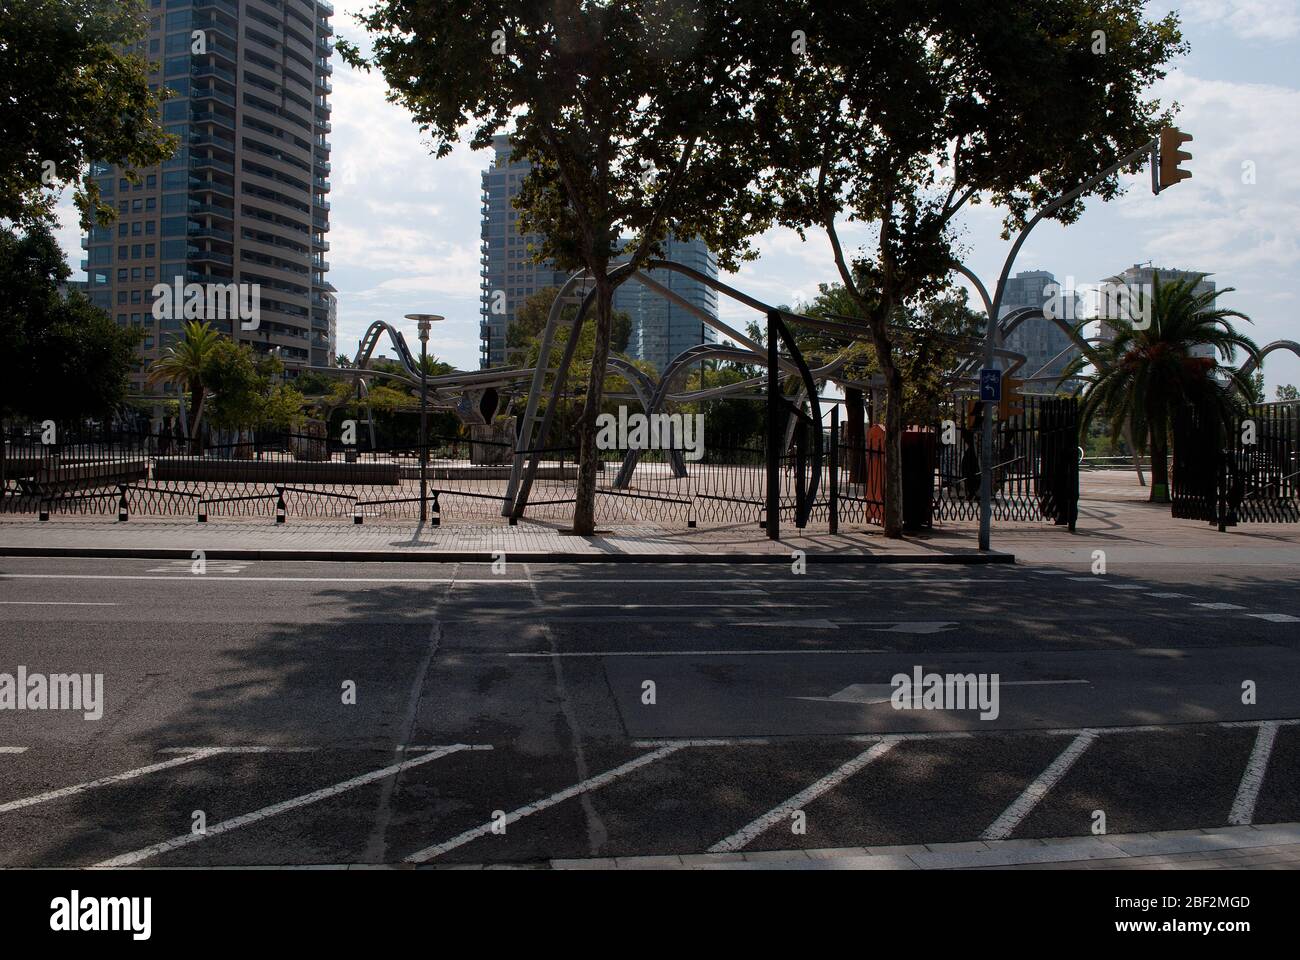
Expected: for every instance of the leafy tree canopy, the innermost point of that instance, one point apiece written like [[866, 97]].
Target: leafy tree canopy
[[61, 358], [69, 96]]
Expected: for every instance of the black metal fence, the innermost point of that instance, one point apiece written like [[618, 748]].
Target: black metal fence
[[1243, 471], [268, 473]]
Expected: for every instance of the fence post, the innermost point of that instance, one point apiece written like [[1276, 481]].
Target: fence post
[[279, 504], [834, 519], [774, 433], [122, 516]]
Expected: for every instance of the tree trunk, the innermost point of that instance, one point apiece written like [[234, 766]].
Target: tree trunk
[[893, 452], [584, 507], [1156, 417], [855, 436]]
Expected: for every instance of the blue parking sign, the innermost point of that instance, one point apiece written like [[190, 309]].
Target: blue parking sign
[[991, 386]]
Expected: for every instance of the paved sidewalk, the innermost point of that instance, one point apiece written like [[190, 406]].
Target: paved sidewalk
[[1114, 518], [1275, 847]]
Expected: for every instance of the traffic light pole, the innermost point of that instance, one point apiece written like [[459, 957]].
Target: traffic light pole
[[993, 305]]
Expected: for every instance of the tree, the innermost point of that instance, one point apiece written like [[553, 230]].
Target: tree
[[524, 346], [245, 391], [1287, 391], [628, 111], [69, 96], [61, 358], [902, 112], [1145, 374], [182, 363]]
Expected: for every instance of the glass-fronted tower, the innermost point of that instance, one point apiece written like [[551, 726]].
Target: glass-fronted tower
[[245, 198]]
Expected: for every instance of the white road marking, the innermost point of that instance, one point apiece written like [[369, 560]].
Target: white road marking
[[1084, 579], [591, 783], [746, 834], [1168, 596], [1002, 827], [1219, 606], [13, 749], [671, 606], [806, 624], [1124, 586], [691, 653], [907, 626], [55, 603], [226, 826], [1243, 806], [77, 788], [1275, 617], [239, 749], [864, 583]]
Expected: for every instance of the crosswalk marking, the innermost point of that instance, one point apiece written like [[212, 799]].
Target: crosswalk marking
[[226, 826], [77, 788], [591, 783], [746, 834], [1243, 806], [1023, 805]]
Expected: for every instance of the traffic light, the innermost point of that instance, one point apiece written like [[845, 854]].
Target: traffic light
[[1171, 157]]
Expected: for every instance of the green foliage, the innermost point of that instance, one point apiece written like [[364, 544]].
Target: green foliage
[[1287, 391], [60, 359], [1145, 374], [69, 96]]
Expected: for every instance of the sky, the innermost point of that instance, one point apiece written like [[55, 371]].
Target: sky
[[404, 226]]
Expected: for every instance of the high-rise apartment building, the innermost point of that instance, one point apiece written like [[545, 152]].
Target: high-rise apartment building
[[508, 276], [1141, 279], [244, 199], [1041, 340]]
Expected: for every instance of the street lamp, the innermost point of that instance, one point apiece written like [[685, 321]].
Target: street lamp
[[423, 323]]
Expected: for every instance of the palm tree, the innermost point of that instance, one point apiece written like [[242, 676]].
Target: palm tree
[[1147, 372], [182, 364]]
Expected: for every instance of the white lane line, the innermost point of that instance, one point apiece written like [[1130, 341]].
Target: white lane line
[[77, 788], [745, 835], [1002, 827], [13, 749], [226, 826], [1219, 606], [1124, 586], [806, 624], [749, 605], [1243, 806], [1168, 596], [864, 583], [591, 783], [240, 749], [689, 653], [1275, 617], [55, 603]]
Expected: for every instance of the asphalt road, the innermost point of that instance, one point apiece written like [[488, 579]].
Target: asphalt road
[[555, 711]]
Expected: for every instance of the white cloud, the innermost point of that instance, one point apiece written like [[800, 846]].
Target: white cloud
[[1249, 19]]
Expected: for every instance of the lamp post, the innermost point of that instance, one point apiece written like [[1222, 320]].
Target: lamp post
[[423, 323]]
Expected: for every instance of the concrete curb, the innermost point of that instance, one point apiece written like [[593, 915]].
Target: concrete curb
[[487, 556], [967, 855]]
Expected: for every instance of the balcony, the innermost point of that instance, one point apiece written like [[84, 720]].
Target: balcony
[[207, 93], [198, 163], [208, 70], [210, 233], [203, 186], [211, 255], [208, 140], [208, 116], [326, 6], [324, 65], [320, 203], [225, 5], [198, 209]]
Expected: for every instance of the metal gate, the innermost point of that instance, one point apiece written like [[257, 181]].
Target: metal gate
[[1248, 474]]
